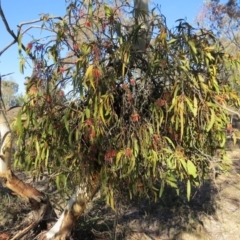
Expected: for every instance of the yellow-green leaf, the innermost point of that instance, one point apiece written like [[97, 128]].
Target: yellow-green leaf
[[211, 122], [181, 111], [87, 112], [135, 148], [162, 188], [192, 46], [191, 169], [195, 106]]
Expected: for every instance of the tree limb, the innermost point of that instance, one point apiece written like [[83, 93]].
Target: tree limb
[[15, 37], [6, 23]]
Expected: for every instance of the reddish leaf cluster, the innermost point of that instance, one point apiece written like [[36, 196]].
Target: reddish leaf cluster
[[29, 46], [96, 73], [128, 152], [88, 24], [108, 157], [135, 117]]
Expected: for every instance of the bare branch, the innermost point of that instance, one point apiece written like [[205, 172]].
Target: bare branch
[[38, 20], [43, 28], [15, 37], [6, 74], [6, 23], [30, 22]]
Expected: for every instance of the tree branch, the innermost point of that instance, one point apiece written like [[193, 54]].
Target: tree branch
[[6, 23], [15, 37]]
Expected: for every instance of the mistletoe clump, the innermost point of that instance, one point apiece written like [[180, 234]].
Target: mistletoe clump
[[142, 118]]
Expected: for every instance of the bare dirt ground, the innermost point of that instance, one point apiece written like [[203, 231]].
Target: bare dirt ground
[[212, 214]]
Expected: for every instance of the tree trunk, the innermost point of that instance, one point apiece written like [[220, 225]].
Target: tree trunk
[[6, 143], [141, 14], [74, 209]]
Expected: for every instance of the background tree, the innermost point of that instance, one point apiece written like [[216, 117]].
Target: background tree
[[224, 20], [141, 119], [10, 90]]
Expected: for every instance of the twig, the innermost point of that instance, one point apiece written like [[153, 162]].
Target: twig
[[6, 23], [228, 109], [25, 231], [6, 75], [38, 20], [40, 27]]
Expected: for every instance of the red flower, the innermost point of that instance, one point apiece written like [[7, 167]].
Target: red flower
[[29, 46], [160, 102], [89, 122], [32, 90], [163, 64], [108, 157], [61, 70], [96, 73], [130, 98], [124, 86], [88, 23], [128, 152], [156, 137], [229, 127], [92, 134], [132, 81], [75, 46], [135, 117]]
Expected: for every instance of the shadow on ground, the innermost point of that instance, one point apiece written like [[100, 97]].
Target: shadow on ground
[[166, 219], [213, 213]]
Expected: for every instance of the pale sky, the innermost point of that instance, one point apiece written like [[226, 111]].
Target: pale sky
[[17, 11]]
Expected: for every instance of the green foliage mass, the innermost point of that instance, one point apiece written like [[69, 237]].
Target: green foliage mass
[[142, 119]]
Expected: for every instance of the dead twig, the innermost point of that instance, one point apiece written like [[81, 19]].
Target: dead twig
[[24, 231]]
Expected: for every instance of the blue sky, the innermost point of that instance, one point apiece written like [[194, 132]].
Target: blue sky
[[25, 10]]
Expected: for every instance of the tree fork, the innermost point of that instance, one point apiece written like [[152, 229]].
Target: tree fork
[[74, 209]]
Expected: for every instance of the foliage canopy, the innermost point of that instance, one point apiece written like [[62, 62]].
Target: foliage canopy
[[143, 119]]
